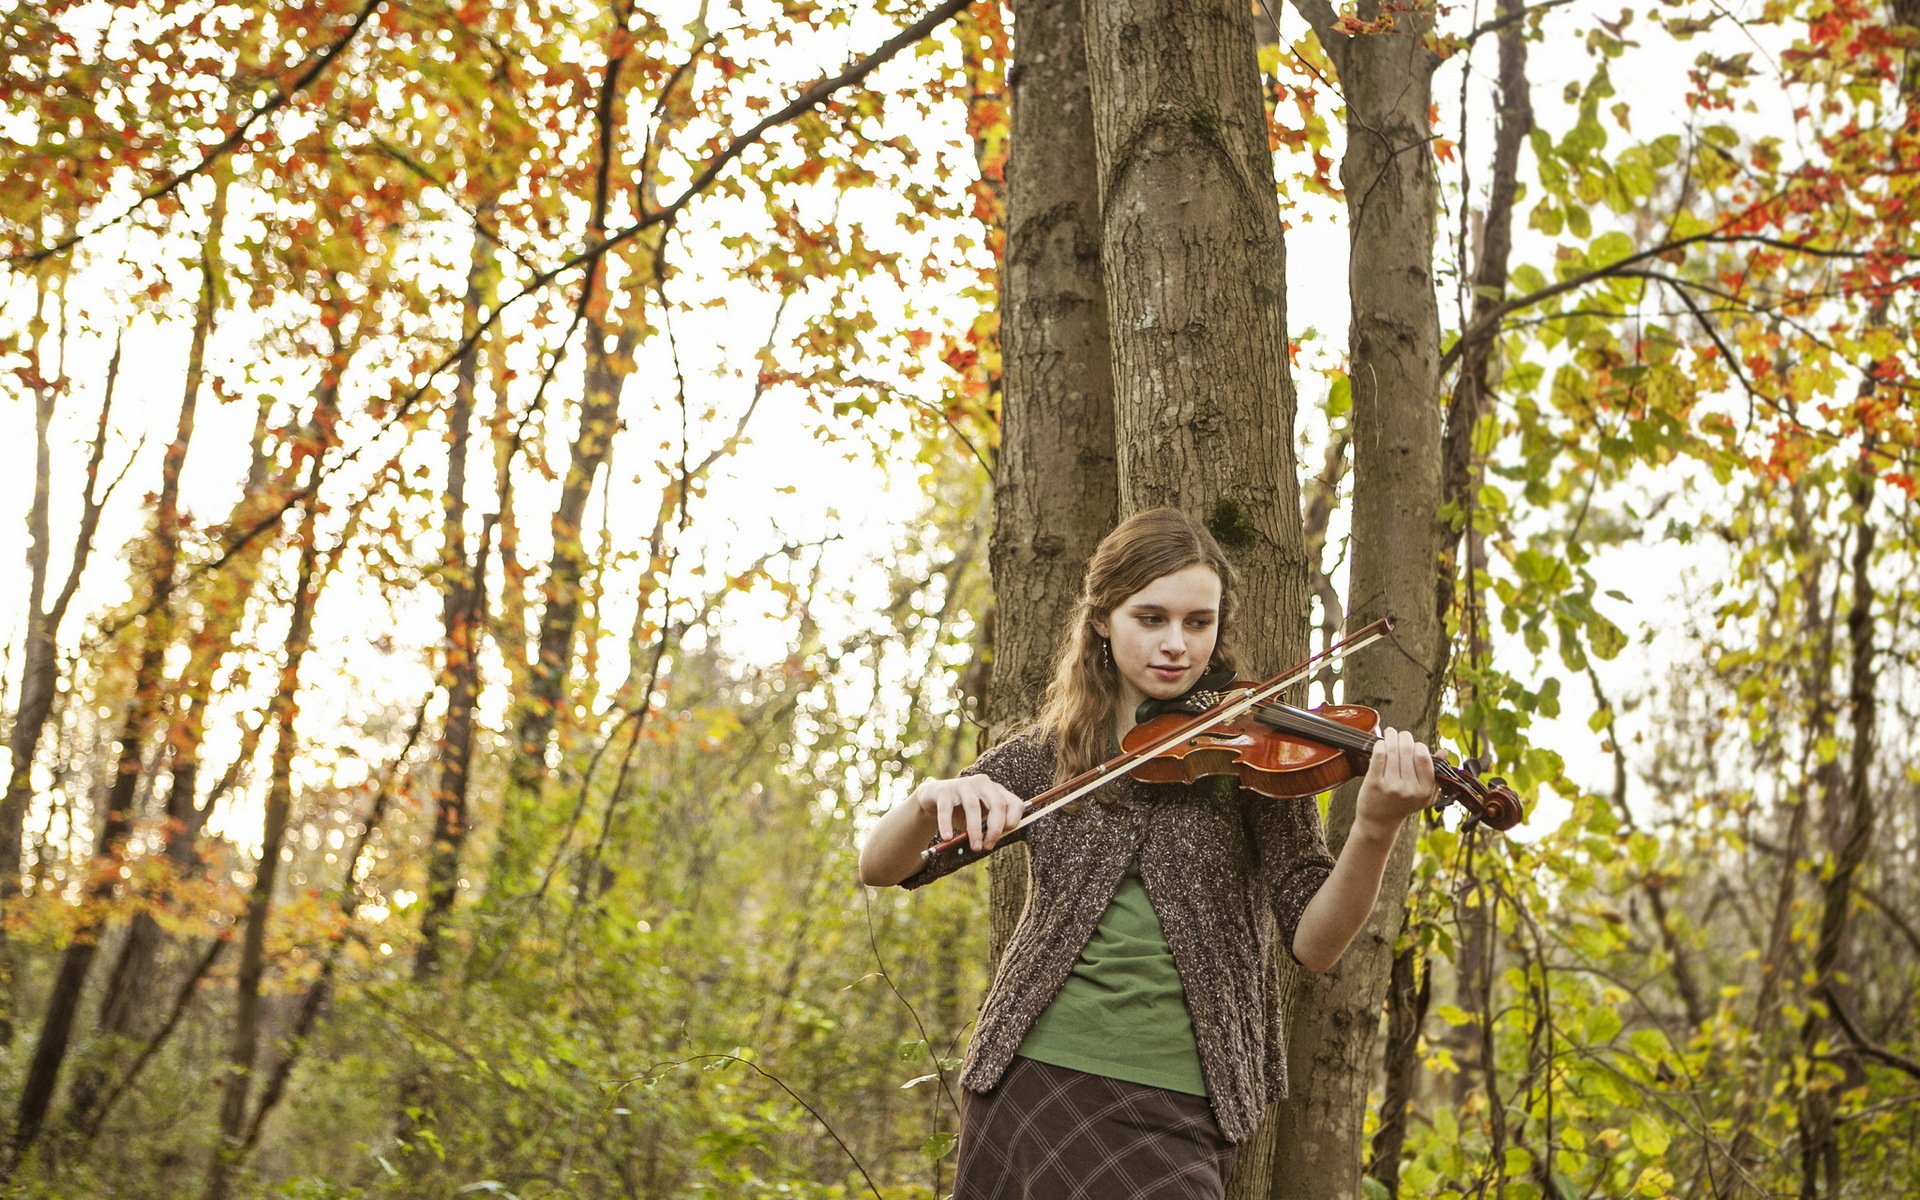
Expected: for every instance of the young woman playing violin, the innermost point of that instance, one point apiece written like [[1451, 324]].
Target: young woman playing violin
[[1129, 1041]]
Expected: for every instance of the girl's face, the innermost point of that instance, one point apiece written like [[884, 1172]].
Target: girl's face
[[1163, 636]]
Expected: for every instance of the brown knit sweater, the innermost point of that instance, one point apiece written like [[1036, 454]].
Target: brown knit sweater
[[1227, 871]]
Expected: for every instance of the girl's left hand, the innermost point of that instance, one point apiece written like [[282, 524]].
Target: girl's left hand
[[1399, 780]]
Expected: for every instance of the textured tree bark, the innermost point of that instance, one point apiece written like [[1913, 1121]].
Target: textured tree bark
[[1195, 272], [1055, 490], [1387, 175]]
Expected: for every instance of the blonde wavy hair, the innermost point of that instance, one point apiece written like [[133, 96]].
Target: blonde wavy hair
[[1141, 549]]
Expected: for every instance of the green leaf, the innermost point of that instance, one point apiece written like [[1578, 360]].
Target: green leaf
[[1603, 1024], [1649, 1136], [938, 1146], [1340, 397]]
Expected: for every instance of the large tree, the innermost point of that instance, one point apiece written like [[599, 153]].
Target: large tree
[[1195, 273]]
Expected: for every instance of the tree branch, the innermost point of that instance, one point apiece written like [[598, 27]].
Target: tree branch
[[813, 95], [315, 67], [1491, 319], [1501, 22]]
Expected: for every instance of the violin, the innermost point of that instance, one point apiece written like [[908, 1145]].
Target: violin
[[1284, 753], [1273, 749]]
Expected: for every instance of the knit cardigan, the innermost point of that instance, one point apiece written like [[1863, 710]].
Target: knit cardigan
[[1228, 871]]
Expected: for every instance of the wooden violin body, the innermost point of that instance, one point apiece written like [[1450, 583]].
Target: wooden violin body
[[1274, 766], [1283, 752]]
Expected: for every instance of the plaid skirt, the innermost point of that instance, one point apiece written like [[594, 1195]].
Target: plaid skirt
[[1051, 1133]]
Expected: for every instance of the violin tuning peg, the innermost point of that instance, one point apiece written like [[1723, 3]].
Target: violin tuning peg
[[1471, 766], [1496, 782], [1470, 824]]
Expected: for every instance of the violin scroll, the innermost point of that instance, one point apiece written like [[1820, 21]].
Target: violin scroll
[[1488, 802]]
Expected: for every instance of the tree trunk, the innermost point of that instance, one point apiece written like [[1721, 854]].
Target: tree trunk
[[463, 603], [63, 1003], [1387, 175], [244, 1044], [129, 994], [611, 337], [1055, 489], [39, 676], [1195, 274], [1460, 476], [317, 996], [1822, 1171]]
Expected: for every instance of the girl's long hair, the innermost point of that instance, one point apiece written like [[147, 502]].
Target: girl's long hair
[[1085, 687]]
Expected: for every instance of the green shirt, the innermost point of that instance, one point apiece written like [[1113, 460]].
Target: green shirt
[[1122, 1013]]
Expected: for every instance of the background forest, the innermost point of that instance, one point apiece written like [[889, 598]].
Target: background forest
[[511, 490]]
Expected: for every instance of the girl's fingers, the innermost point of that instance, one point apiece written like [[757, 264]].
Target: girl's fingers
[[1396, 766], [1423, 769]]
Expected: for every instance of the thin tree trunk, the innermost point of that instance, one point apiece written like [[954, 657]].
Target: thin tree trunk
[[40, 672], [97, 1114], [128, 996], [607, 368], [1055, 487], [463, 604], [314, 1002], [1822, 1171], [63, 1003], [1461, 472], [610, 343], [1387, 175], [1408, 989], [1777, 963], [244, 1043], [1195, 275]]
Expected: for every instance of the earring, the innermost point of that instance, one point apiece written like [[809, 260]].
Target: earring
[[1106, 653]]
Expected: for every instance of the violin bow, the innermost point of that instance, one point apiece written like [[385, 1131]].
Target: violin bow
[[1095, 778]]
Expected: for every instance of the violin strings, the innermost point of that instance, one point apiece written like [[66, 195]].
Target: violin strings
[[1341, 737]]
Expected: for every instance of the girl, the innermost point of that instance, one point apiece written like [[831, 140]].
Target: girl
[[1129, 1040]]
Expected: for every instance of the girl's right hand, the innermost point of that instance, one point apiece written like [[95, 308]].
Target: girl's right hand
[[987, 810]]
